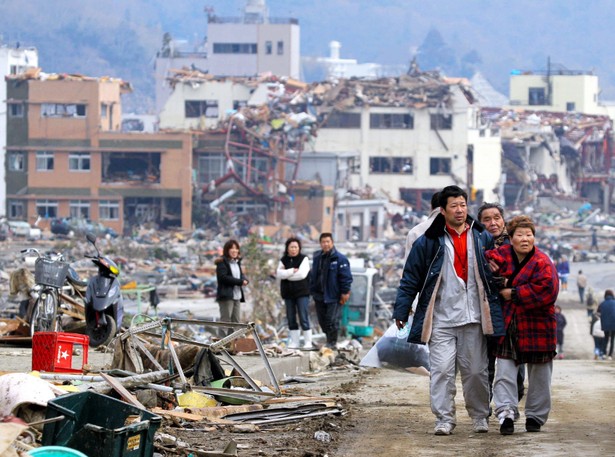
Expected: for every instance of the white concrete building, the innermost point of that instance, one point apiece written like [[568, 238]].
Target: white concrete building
[[13, 61], [409, 153]]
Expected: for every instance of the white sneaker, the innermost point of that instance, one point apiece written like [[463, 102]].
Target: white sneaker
[[444, 428], [480, 426]]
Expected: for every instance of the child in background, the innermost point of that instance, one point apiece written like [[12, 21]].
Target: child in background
[[599, 340], [560, 320]]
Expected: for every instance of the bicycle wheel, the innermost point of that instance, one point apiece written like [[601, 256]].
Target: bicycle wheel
[[45, 314]]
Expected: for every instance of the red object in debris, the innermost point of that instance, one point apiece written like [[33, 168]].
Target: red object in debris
[[53, 351]]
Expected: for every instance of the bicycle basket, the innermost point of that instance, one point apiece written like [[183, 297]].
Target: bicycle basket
[[50, 272]]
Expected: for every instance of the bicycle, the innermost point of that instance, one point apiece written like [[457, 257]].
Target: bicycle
[[50, 272]]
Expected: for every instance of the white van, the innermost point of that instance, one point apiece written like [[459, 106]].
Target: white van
[[23, 229]]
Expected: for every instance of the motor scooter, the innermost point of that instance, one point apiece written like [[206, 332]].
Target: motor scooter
[[104, 308]]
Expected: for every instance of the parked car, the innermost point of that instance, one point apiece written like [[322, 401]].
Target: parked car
[[68, 226], [25, 230]]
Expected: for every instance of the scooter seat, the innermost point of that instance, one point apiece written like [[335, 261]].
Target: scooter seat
[[73, 277]]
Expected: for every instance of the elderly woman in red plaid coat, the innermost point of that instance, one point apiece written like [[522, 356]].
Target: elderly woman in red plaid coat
[[528, 305]]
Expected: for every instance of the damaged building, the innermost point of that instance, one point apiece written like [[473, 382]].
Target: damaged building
[[68, 158]]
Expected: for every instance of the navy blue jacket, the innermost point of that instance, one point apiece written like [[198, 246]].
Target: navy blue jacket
[[607, 314], [338, 278], [422, 271]]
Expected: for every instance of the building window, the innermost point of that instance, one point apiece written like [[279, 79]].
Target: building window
[[441, 121], [393, 165], [391, 121], [210, 167], [235, 48], [80, 209], [79, 161], [16, 110], [339, 120], [16, 161], [268, 47], [536, 96], [63, 110], [104, 110], [439, 166], [198, 108], [109, 210], [16, 209], [44, 161], [570, 106], [280, 48], [47, 208]]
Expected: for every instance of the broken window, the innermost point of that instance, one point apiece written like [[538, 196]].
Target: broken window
[[441, 121], [235, 48], [79, 161], [391, 121], [536, 96], [198, 108], [210, 167], [143, 167], [340, 120], [44, 161], [80, 209], [108, 210], [397, 165], [280, 48], [16, 110], [439, 166], [268, 47], [47, 208], [16, 161], [63, 110], [16, 209]]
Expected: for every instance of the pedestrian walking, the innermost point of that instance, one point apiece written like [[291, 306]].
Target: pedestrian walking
[[581, 285], [594, 245], [560, 323], [231, 281], [563, 270], [330, 282], [491, 215], [293, 271], [590, 302], [529, 312], [457, 306], [606, 310], [595, 329]]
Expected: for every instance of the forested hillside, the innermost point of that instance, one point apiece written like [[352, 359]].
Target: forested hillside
[[121, 37]]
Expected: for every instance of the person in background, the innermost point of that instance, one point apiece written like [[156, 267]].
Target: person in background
[[581, 285], [293, 270], [606, 310], [594, 245], [590, 302], [560, 321], [529, 311], [491, 215], [421, 227], [330, 281], [231, 281], [457, 305], [595, 329], [563, 270]]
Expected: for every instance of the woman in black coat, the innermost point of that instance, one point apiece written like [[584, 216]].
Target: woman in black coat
[[230, 282]]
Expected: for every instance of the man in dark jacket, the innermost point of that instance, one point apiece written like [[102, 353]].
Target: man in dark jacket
[[458, 304], [606, 310], [330, 280]]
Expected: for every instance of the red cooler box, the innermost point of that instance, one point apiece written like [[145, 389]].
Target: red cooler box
[[53, 352]]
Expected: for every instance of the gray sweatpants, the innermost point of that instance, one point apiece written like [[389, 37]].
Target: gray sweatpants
[[538, 398], [462, 349]]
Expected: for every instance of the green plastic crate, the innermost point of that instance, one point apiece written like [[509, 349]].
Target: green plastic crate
[[100, 426]]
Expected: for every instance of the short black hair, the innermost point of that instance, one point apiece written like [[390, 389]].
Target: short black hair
[[435, 200], [292, 239], [485, 206], [451, 191], [325, 235]]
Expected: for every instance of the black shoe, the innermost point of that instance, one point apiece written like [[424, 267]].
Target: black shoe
[[507, 427], [532, 425]]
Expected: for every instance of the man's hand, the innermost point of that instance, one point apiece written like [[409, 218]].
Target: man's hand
[[399, 324], [506, 293], [344, 298], [493, 266]]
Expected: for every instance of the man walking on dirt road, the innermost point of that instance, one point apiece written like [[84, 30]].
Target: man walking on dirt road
[[458, 304]]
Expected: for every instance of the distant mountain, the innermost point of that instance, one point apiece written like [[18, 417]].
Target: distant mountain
[[121, 37]]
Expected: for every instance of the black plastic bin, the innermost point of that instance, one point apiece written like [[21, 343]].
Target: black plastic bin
[[100, 426]]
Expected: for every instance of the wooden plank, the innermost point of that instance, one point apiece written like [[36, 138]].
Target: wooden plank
[[120, 389], [178, 414]]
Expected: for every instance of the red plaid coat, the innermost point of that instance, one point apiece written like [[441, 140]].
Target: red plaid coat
[[537, 287]]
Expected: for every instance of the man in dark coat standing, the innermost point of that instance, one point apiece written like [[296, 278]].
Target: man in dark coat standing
[[330, 280]]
